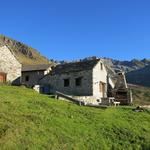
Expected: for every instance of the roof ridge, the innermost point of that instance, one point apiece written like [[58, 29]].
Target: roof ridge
[[36, 67], [82, 61]]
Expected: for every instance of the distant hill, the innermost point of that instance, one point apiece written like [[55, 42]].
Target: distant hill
[[127, 66], [25, 54], [140, 76]]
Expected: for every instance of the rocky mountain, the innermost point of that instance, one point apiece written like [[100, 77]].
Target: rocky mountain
[[25, 54], [127, 66]]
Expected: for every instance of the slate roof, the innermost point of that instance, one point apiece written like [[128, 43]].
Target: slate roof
[[36, 67], [74, 66]]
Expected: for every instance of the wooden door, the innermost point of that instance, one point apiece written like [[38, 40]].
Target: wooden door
[[102, 87], [2, 77]]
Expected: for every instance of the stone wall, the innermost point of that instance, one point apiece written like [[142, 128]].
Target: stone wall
[[33, 77], [10, 65], [88, 99], [56, 83]]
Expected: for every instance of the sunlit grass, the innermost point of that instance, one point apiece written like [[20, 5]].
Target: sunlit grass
[[29, 120]]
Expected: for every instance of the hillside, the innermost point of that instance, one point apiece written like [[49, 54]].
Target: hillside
[[32, 121], [140, 76], [25, 54], [141, 95]]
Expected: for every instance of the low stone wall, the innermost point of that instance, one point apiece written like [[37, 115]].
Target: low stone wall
[[88, 99]]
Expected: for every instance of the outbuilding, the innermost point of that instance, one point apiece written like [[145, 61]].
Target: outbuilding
[[31, 74]]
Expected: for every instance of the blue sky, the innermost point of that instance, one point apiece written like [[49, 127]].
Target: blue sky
[[72, 29]]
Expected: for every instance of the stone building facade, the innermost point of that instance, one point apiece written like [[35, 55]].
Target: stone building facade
[[10, 68], [85, 78], [66, 83], [33, 73]]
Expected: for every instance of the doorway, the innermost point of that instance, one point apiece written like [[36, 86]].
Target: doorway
[[102, 87], [2, 77]]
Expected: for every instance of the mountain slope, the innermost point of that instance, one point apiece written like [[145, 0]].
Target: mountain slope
[[141, 95], [29, 120], [25, 54], [140, 76]]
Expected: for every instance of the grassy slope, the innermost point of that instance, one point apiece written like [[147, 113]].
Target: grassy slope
[[140, 76], [32, 121], [141, 95], [38, 58], [18, 47]]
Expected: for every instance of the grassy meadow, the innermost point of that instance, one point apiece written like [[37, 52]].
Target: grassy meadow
[[30, 121]]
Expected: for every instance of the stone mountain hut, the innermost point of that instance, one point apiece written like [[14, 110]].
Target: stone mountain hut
[[86, 78]]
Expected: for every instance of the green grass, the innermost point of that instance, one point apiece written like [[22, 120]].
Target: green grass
[[29, 121]]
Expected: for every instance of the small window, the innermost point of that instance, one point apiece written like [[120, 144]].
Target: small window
[[101, 66], [26, 78], [78, 81], [66, 82]]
